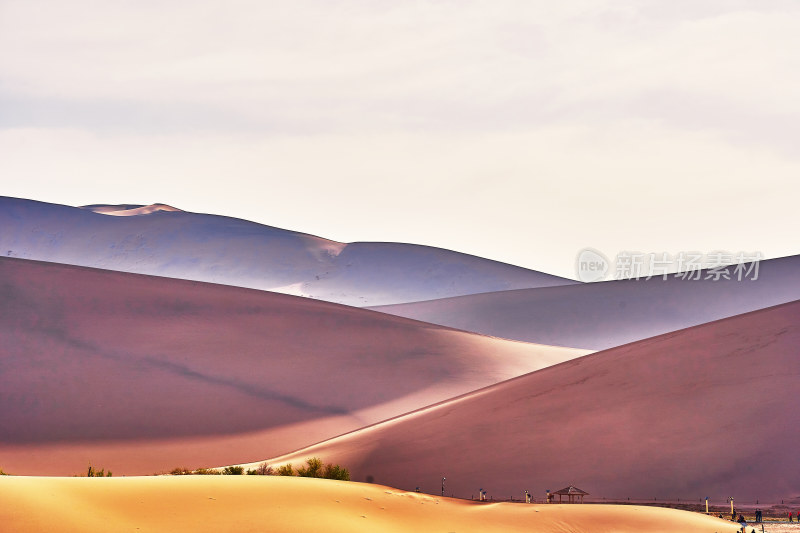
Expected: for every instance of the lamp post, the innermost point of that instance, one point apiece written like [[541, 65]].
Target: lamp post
[[443, 486]]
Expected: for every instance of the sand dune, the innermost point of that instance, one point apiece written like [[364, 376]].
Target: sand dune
[[706, 411], [128, 210], [603, 315], [165, 241], [139, 373], [256, 503]]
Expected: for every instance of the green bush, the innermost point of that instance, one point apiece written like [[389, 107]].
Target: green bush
[[233, 470], [285, 470], [91, 472], [336, 472], [207, 472], [261, 470], [180, 471], [315, 468]]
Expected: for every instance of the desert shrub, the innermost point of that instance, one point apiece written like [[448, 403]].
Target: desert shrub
[[313, 468], [207, 472], [336, 472], [261, 470], [91, 472], [2, 473], [285, 470]]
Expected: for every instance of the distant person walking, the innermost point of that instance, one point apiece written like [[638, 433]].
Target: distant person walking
[[759, 516], [790, 516]]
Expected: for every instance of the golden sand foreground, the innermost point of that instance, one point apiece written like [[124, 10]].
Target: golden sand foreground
[[275, 504]]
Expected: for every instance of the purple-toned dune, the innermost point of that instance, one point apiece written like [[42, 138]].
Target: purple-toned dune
[[602, 315], [165, 241], [140, 373], [706, 411]]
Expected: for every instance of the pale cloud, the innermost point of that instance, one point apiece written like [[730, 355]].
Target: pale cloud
[[516, 130]]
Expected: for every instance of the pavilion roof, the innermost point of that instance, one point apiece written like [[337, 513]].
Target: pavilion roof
[[571, 490]]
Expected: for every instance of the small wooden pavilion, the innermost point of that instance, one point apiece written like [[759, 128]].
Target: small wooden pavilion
[[573, 494]]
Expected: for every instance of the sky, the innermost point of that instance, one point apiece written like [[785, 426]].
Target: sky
[[522, 131]]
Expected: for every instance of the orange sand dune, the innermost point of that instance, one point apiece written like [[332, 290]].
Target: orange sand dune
[[257, 503], [706, 411], [140, 374]]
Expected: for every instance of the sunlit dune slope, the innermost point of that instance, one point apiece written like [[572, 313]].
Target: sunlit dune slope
[[139, 373], [706, 411]]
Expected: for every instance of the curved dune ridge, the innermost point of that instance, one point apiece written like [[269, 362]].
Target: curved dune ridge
[[164, 241], [706, 411], [140, 374], [598, 316], [258, 503], [128, 210]]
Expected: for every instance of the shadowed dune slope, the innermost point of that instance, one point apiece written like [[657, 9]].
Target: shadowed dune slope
[[134, 372], [603, 315], [257, 503], [164, 241], [706, 411]]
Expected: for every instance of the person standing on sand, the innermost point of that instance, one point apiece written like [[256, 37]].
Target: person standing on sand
[[742, 522], [790, 516]]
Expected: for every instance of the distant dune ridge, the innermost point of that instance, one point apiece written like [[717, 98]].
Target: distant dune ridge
[[602, 315], [128, 210], [140, 373], [706, 411], [165, 241]]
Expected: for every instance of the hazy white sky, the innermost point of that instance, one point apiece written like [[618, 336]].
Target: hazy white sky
[[521, 131]]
